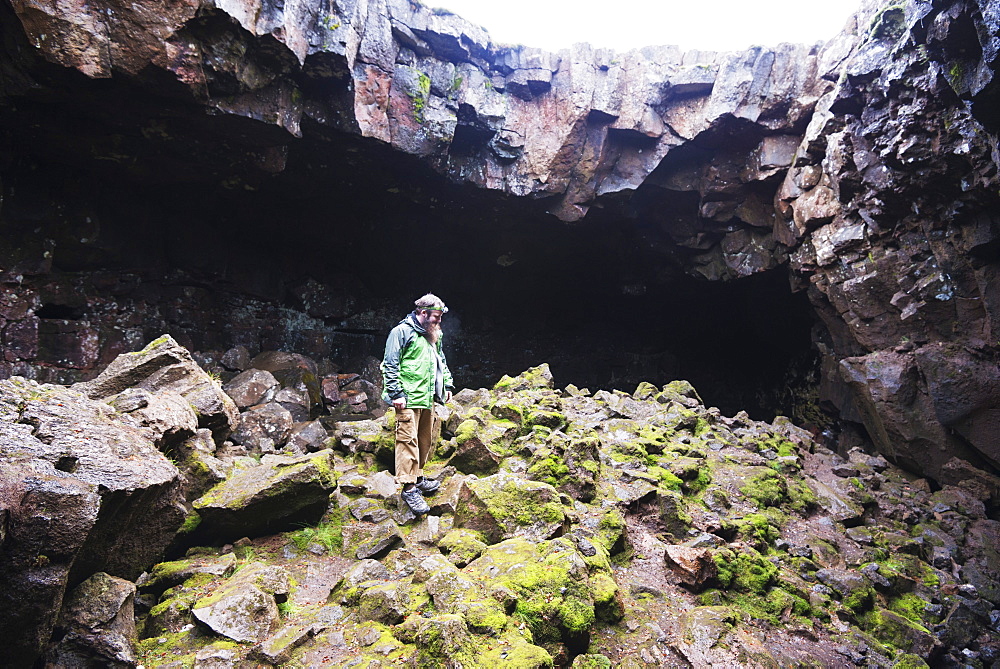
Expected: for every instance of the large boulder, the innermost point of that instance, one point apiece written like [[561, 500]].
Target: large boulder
[[254, 386], [96, 626], [294, 372], [165, 365], [550, 580], [271, 497], [165, 417], [81, 492], [921, 414], [503, 506], [245, 608], [263, 429]]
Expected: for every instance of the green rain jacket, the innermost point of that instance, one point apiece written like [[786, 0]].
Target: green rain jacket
[[412, 368]]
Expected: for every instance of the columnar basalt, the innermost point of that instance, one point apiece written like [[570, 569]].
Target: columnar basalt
[[865, 167]]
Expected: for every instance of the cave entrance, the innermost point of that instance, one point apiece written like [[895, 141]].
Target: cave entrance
[[605, 301], [744, 344]]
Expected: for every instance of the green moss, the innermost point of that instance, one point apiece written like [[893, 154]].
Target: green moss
[[553, 420], [536, 377], [909, 606], [512, 652], [607, 605], [510, 504], [910, 661], [745, 571], [159, 341], [757, 528], [610, 529], [801, 496], [554, 596], [466, 430], [177, 649], [906, 565], [484, 617], [698, 483], [654, 439], [766, 489], [509, 409], [463, 544], [576, 615], [422, 96], [891, 628], [548, 467], [667, 479], [888, 24], [775, 605], [860, 599], [778, 444], [628, 451]]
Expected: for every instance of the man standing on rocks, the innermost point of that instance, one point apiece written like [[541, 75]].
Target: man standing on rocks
[[416, 375]]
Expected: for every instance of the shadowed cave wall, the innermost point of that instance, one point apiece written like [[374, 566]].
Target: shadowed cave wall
[[324, 257]]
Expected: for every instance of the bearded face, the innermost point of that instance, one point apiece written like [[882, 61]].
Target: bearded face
[[430, 320]]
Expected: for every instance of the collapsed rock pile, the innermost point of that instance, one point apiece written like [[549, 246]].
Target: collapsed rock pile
[[570, 528]]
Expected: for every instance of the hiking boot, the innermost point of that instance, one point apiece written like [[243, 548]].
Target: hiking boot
[[427, 486], [415, 501]]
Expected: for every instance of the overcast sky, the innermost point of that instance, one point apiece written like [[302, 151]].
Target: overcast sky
[[708, 25]]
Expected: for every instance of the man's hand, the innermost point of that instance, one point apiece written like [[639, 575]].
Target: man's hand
[[399, 403]]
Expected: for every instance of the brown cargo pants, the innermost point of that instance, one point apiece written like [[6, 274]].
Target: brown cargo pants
[[414, 443]]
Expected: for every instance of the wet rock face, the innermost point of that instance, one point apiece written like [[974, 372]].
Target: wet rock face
[[299, 137], [82, 491]]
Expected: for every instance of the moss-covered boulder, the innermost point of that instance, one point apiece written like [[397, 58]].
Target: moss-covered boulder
[[473, 455], [245, 608], [169, 574], [551, 581], [570, 463], [442, 639], [536, 377], [462, 546], [279, 493], [504, 506], [363, 541], [385, 603], [900, 633]]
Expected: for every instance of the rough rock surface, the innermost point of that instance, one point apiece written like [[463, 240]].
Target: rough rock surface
[[246, 609], [866, 166], [768, 564], [164, 365], [704, 540], [97, 625], [256, 499], [82, 492]]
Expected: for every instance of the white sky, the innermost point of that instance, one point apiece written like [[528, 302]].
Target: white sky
[[707, 25]]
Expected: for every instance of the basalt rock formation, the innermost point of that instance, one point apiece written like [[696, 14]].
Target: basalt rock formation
[[570, 528], [269, 174]]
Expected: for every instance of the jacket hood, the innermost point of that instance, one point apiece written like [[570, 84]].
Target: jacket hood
[[411, 320]]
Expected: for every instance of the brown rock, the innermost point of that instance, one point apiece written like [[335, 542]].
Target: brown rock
[[692, 566]]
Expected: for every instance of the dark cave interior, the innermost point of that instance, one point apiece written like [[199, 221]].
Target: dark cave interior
[[123, 202]]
